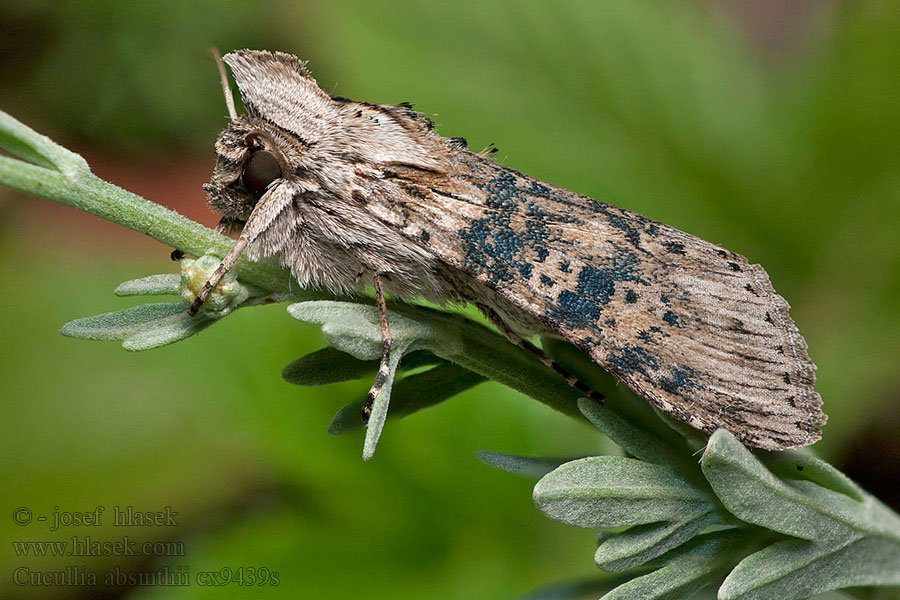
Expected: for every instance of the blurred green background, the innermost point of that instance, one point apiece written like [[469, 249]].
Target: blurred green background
[[771, 128]]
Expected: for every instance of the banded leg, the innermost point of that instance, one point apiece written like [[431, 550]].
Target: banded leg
[[384, 367], [516, 339], [217, 275]]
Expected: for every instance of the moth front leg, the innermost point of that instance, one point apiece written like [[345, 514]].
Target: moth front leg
[[216, 276], [384, 367], [276, 198]]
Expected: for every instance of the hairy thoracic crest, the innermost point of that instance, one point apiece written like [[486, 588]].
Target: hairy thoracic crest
[[343, 192]]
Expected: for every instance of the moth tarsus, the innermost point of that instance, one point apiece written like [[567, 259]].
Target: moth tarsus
[[198, 300], [348, 194], [217, 275], [384, 365]]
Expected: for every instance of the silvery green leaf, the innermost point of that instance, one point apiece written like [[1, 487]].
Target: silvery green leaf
[[348, 418], [421, 390], [752, 493], [413, 392], [641, 543], [381, 403], [355, 328], [330, 365], [631, 434], [699, 563], [325, 366], [420, 358], [166, 283], [695, 439], [139, 327], [611, 491], [532, 467], [795, 569], [792, 464]]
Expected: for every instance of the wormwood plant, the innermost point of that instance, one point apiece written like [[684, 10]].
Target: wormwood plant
[[757, 525]]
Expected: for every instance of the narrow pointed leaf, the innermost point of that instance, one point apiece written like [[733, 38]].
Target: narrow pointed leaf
[[799, 463], [642, 543], [19, 140], [325, 366], [121, 323], [421, 390], [688, 570], [752, 493], [574, 590], [413, 393], [611, 491], [330, 365], [533, 467], [139, 327], [166, 332], [380, 406], [355, 328], [348, 327], [795, 569], [166, 283], [348, 418], [631, 436]]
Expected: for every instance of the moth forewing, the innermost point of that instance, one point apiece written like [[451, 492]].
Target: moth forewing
[[370, 193]]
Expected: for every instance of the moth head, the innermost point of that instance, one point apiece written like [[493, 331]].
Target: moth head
[[251, 160], [294, 132]]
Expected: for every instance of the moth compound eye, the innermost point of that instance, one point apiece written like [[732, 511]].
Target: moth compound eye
[[261, 169]]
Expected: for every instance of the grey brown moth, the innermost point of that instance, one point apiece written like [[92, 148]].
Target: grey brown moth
[[348, 194]]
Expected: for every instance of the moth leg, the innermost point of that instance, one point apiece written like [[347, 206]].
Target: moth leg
[[276, 198], [516, 339], [217, 275], [384, 367]]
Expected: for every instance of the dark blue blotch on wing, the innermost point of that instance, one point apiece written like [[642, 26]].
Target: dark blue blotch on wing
[[679, 380], [633, 359], [581, 308], [630, 231], [574, 310], [671, 318], [492, 246]]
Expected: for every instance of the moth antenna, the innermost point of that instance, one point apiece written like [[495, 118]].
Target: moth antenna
[[229, 99]]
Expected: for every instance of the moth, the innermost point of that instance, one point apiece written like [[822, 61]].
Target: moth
[[348, 194]]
